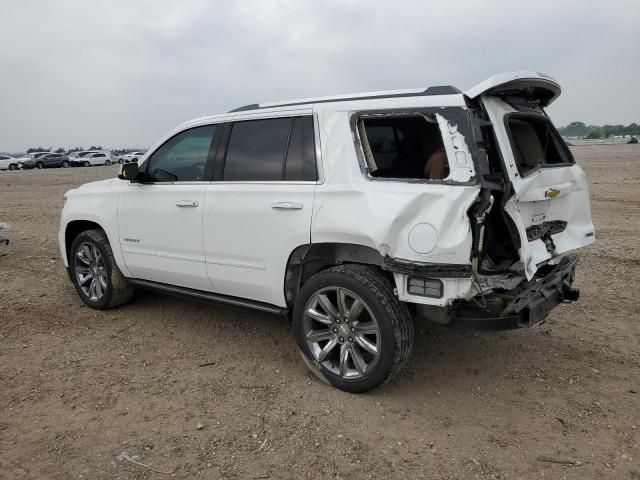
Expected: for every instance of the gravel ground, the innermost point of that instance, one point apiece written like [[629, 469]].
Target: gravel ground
[[195, 390]]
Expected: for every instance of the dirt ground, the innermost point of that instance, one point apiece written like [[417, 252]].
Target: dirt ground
[[195, 390]]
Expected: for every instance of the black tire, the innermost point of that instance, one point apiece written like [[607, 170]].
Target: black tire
[[392, 316], [40, 165], [118, 289], [13, 166], [107, 162], [86, 164], [120, 161], [65, 164]]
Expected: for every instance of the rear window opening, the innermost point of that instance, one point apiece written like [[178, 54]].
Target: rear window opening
[[536, 143], [409, 147]]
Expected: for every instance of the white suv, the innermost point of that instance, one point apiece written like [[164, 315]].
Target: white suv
[[351, 215]]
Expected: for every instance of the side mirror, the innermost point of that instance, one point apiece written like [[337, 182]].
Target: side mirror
[[129, 171]]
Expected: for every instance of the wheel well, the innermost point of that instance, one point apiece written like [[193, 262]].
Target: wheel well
[[74, 229], [307, 260]]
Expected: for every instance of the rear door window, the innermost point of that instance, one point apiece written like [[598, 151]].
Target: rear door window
[[300, 163], [274, 149]]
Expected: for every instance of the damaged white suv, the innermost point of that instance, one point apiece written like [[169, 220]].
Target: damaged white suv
[[352, 215]]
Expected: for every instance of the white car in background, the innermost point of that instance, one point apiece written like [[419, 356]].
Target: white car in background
[[130, 157], [92, 157], [8, 163]]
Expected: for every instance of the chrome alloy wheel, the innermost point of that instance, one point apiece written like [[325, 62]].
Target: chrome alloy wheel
[[341, 332], [91, 271]]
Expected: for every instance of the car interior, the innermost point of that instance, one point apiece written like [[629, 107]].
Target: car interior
[[404, 147]]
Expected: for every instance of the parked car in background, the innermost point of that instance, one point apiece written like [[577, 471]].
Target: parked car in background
[[47, 160], [8, 163], [31, 156], [130, 157], [78, 158], [633, 141], [90, 158]]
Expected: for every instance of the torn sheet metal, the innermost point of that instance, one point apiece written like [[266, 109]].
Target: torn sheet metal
[[458, 154]]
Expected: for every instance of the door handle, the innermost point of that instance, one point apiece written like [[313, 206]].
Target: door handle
[[187, 203], [286, 206]]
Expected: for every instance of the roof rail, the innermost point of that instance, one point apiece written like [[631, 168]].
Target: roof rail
[[436, 90], [251, 106]]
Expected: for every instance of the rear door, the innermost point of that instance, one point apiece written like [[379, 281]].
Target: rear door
[[52, 160], [259, 208], [550, 203]]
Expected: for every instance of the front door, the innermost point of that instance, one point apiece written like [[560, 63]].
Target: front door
[[259, 209], [160, 218]]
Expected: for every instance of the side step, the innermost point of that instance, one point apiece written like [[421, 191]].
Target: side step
[[208, 296]]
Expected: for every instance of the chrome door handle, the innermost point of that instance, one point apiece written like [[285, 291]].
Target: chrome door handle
[[286, 206], [187, 203]]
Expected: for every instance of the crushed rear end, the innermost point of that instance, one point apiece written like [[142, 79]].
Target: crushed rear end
[[533, 211]]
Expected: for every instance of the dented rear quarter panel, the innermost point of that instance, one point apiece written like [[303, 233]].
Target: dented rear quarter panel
[[352, 208]]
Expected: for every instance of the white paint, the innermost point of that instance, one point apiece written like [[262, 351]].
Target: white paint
[[530, 206], [234, 242], [517, 80], [423, 238]]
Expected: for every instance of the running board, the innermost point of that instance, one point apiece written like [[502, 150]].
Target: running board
[[208, 296]]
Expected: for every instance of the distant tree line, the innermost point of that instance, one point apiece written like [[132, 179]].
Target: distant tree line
[[579, 129]]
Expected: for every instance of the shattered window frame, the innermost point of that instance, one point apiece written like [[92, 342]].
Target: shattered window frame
[[372, 166], [454, 115]]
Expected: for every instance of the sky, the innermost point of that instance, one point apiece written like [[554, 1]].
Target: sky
[[122, 73]]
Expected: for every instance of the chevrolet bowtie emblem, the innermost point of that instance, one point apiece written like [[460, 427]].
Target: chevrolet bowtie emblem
[[552, 193]]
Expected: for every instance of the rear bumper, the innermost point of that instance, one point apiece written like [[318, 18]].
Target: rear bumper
[[525, 306], [540, 295]]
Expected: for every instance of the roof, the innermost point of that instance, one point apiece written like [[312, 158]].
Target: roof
[[437, 90], [501, 80]]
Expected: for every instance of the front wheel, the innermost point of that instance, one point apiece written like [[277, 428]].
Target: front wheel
[[94, 272], [13, 166], [86, 164], [40, 165], [108, 162], [65, 164], [352, 331]]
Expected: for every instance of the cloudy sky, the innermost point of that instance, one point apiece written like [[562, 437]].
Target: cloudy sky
[[122, 73]]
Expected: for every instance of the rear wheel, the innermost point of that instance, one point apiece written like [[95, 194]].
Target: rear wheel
[[86, 164], [108, 162], [94, 272], [352, 331], [40, 165], [65, 164], [13, 166]]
